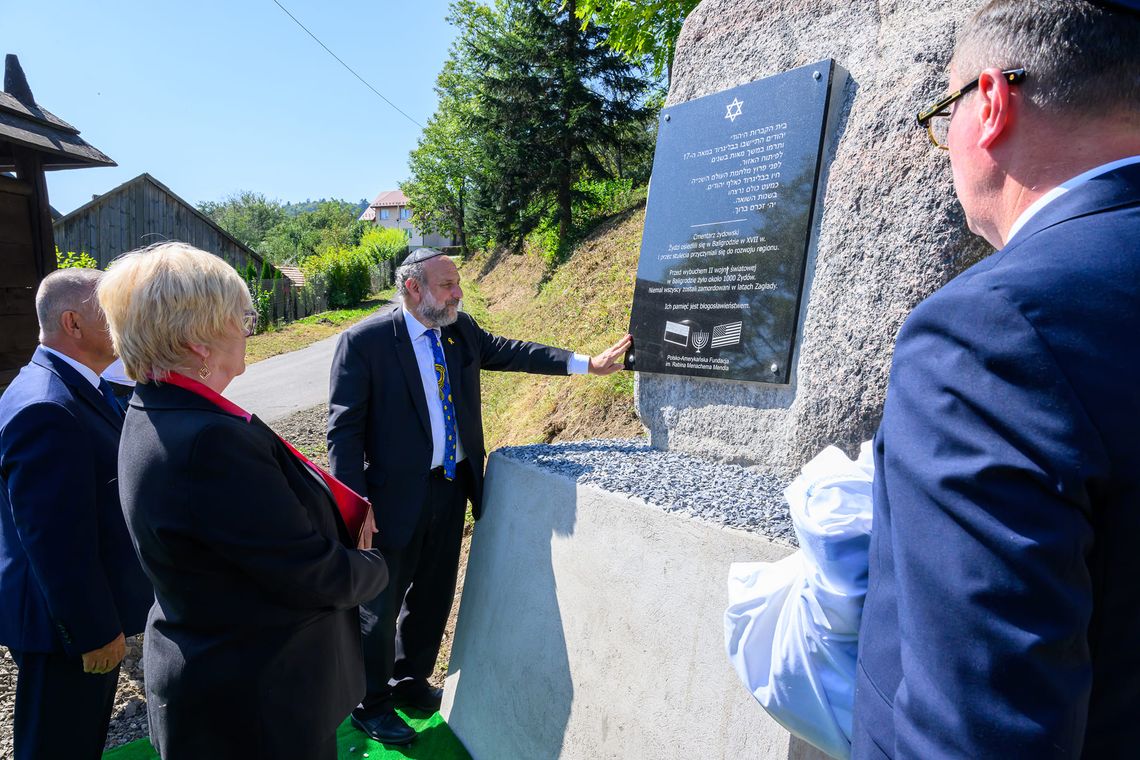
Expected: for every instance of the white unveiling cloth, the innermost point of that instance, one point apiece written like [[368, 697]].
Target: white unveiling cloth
[[792, 627]]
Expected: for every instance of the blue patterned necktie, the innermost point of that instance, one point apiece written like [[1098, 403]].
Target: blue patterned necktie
[[444, 386]]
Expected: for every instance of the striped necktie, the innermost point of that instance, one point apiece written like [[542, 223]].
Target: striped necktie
[[444, 386]]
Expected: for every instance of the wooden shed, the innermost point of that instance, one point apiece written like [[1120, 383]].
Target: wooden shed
[[32, 141], [140, 212]]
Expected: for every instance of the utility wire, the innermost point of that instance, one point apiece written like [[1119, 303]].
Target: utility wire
[[342, 63]]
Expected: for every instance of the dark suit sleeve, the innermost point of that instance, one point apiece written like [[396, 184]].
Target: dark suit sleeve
[[254, 520], [991, 528], [350, 392], [505, 355], [53, 490]]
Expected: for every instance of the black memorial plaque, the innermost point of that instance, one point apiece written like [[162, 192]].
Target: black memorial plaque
[[727, 228]]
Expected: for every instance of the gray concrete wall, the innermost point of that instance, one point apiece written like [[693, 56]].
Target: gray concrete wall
[[591, 627], [891, 231]]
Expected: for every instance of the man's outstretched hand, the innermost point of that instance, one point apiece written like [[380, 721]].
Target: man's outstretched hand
[[610, 360]]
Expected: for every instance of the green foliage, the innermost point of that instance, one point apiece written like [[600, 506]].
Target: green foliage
[[246, 215], [531, 101], [639, 30], [73, 260], [262, 303], [251, 274], [290, 233], [594, 201], [347, 273], [267, 270], [383, 243]]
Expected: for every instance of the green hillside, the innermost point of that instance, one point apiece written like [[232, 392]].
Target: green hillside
[[582, 304]]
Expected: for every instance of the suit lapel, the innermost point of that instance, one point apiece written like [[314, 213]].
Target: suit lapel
[[407, 358], [79, 385]]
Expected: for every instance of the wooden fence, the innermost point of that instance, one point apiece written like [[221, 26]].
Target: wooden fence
[[289, 302]]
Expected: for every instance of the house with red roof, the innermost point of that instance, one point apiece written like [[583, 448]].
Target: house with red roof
[[390, 209]]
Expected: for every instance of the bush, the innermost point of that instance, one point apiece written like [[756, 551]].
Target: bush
[[383, 243], [73, 260], [347, 273], [267, 270]]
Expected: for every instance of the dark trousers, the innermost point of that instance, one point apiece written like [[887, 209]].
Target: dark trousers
[[61, 712], [403, 627]]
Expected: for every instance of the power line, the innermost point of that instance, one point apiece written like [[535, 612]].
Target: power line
[[342, 63]]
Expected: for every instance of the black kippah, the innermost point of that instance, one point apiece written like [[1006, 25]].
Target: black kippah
[[422, 254]]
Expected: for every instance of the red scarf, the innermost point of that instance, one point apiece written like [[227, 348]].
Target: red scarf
[[352, 506]]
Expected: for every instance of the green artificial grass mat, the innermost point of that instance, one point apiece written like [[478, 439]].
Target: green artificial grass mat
[[433, 742]]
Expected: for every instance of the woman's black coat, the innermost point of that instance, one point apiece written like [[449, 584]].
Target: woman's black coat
[[252, 649]]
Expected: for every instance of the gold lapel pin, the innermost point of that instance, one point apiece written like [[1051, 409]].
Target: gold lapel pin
[[451, 341]]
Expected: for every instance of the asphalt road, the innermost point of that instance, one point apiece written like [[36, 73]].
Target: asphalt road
[[285, 384]]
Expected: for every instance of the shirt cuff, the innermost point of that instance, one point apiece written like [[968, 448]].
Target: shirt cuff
[[578, 364]]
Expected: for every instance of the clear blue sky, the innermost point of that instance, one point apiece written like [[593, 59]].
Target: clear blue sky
[[216, 96]]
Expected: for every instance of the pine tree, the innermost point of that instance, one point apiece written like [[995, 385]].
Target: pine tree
[[552, 101]]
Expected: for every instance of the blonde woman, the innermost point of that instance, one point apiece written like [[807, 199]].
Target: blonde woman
[[252, 649]]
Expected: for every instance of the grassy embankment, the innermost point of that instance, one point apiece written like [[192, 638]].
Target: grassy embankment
[[310, 329], [583, 305]]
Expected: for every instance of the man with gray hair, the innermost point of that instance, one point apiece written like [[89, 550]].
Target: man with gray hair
[[406, 431], [71, 587], [1003, 611]]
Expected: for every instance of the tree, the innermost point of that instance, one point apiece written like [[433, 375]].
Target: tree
[[246, 215], [446, 159], [551, 97], [642, 29]]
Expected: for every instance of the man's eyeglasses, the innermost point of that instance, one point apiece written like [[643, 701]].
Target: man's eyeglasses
[[936, 118], [248, 323]]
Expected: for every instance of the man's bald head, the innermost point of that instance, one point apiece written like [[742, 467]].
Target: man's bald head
[[65, 290]]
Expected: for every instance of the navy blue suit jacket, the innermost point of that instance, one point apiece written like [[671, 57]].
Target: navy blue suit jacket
[[70, 580], [1003, 612], [380, 441]]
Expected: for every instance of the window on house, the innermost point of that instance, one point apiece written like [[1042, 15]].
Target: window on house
[[383, 213], [405, 213]]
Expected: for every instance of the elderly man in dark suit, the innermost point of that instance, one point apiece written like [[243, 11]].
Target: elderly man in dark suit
[[406, 429], [71, 587], [1003, 611]]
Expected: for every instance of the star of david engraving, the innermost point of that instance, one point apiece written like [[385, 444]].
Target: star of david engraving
[[734, 110]]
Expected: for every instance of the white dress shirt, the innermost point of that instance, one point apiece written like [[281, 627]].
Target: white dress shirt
[[579, 364], [1063, 188], [88, 374]]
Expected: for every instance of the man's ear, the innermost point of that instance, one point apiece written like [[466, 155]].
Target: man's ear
[[412, 285], [994, 109], [70, 322]]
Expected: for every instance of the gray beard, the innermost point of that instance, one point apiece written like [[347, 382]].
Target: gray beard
[[435, 314]]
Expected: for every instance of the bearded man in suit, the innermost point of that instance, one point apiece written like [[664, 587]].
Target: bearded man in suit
[[406, 430]]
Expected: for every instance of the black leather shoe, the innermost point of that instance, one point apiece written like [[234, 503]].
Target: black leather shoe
[[386, 728], [419, 695]]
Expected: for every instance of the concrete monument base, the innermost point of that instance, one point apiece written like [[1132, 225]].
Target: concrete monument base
[[591, 627]]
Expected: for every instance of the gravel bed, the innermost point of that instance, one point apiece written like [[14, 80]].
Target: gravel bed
[[722, 494]]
